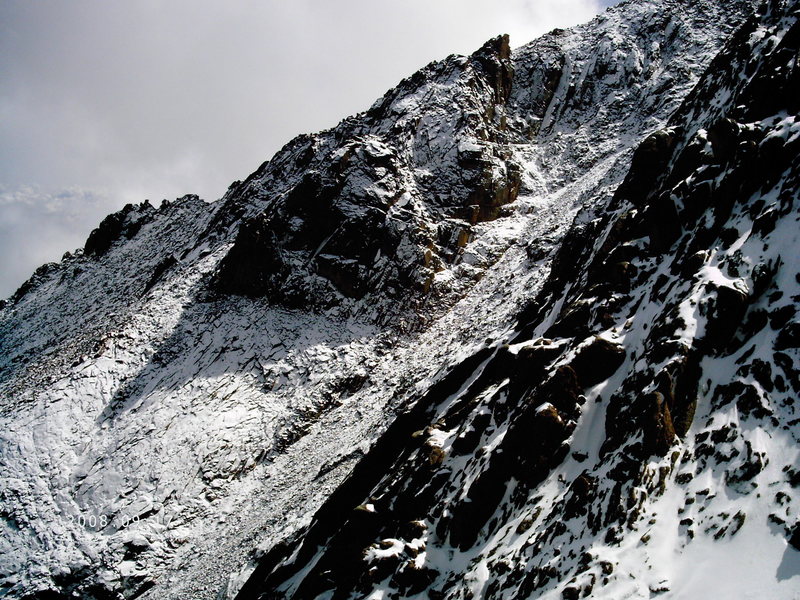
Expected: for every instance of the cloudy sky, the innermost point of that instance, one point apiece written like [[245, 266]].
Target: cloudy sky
[[104, 103]]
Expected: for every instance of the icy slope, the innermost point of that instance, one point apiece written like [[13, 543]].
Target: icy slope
[[170, 404], [636, 435]]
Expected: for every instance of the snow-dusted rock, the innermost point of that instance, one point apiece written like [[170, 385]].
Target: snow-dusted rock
[[439, 349]]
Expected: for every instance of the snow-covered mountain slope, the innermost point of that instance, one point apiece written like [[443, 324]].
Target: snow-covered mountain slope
[[636, 435], [180, 398]]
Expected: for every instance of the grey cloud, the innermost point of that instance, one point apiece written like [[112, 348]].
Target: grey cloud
[[38, 227]]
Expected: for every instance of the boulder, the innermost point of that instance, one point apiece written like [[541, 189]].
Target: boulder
[[664, 223], [724, 311], [788, 337], [580, 494], [597, 361], [563, 391], [724, 137], [574, 320]]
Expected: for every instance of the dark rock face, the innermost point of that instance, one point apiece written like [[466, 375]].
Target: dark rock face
[[253, 262], [161, 268], [678, 383], [658, 430], [321, 240], [120, 225], [39, 275], [384, 207], [649, 161]]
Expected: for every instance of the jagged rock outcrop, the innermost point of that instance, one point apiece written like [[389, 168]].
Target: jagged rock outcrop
[[380, 212], [123, 224]]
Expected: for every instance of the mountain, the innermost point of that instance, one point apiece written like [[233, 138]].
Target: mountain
[[526, 328]]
